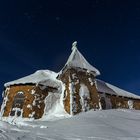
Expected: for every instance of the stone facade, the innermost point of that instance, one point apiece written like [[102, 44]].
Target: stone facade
[[75, 103], [26, 101]]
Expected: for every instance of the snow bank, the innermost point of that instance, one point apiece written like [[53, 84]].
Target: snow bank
[[93, 125]]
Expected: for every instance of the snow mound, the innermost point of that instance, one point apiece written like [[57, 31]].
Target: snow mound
[[93, 125]]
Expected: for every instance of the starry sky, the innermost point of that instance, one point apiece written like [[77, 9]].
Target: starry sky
[[37, 34]]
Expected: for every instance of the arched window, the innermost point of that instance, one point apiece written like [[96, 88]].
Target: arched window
[[17, 104]]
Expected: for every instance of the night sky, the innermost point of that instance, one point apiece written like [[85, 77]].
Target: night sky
[[37, 34]]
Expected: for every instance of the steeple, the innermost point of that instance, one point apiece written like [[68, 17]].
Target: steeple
[[74, 45], [77, 60]]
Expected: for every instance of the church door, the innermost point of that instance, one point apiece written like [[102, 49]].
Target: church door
[[103, 102]]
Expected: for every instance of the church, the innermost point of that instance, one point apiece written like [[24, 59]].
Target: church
[[73, 90]]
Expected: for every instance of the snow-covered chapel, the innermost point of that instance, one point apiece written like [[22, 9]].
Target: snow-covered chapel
[[73, 90]]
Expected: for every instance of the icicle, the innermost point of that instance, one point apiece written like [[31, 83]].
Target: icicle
[[71, 95]]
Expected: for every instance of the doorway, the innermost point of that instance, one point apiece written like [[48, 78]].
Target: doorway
[[103, 103]]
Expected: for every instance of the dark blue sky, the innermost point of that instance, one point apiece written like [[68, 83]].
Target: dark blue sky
[[37, 34]]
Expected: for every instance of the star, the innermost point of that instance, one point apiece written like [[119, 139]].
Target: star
[[57, 18], [28, 15]]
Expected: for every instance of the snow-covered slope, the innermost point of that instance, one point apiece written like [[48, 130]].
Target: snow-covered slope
[[93, 125]]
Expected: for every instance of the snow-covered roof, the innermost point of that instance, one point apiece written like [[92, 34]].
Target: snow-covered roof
[[40, 76], [103, 88], [110, 89], [122, 92], [76, 59]]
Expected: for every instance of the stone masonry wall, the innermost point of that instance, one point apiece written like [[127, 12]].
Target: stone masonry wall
[[73, 80], [33, 105]]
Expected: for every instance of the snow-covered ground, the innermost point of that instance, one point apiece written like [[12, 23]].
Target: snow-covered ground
[[93, 125]]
